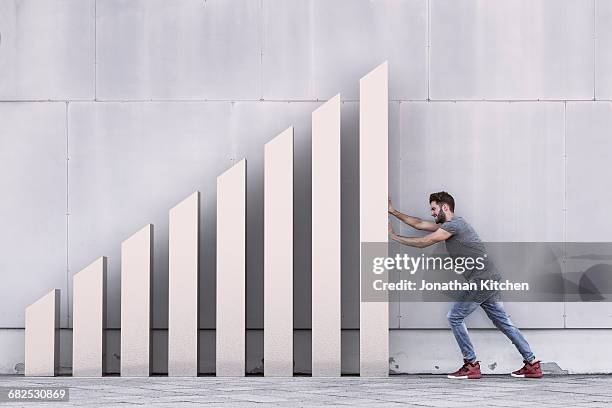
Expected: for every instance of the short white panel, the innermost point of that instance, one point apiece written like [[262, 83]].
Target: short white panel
[[231, 252], [89, 307], [326, 295], [42, 336], [183, 242], [373, 216], [136, 256], [278, 255]]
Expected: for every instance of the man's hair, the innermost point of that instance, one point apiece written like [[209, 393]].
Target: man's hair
[[443, 197]]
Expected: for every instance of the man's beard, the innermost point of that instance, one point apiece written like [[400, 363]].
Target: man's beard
[[441, 218]]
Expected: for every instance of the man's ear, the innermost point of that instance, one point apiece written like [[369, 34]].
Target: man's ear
[[445, 207]]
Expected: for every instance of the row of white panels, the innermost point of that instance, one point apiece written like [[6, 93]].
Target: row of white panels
[[42, 318], [411, 351], [130, 162], [274, 49]]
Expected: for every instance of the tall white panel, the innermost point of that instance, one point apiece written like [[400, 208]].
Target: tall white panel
[[136, 270], [373, 217], [89, 305], [278, 255], [326, 299], [231, 251], [42, 336], [183, 241]]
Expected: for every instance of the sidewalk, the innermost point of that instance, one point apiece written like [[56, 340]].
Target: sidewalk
[[418, 391]]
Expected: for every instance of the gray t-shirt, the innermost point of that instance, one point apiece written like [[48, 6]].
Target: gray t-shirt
[[465, 242]]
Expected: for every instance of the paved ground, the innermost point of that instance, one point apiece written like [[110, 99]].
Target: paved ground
[[420, 391]]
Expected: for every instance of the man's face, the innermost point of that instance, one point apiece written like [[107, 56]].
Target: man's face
[[437, 212]]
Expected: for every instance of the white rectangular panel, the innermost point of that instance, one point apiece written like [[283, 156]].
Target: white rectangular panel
[[326, 299], [42, 336], [183, 242], [373, 217], [89, 305], [278, 255], [231, 250], [136, 256]]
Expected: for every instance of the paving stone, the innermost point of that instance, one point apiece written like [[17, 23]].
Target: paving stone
[[418, 391]]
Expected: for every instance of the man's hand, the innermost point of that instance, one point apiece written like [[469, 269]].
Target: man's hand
[[392, 209], [414, 222], [392, 234]]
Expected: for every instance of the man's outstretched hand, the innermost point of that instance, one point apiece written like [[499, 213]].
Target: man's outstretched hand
[[391, 208]]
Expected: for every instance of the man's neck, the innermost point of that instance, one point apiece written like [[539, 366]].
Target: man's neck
[[450, 216]]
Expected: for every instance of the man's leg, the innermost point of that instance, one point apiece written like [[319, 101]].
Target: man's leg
[[497, 314], [455, 316]]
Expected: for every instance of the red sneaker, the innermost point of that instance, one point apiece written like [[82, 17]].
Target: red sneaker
[[529, 370], [467, 371]]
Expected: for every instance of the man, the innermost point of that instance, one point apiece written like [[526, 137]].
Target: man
[[460, 238]]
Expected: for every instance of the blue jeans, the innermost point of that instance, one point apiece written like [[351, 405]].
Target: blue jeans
[[495, 311]]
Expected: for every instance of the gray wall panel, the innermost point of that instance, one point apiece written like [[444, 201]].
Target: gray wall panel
[[188, 49], [33, 206], [319, 48], [486, 154], [603, 45], [589, 143], [288, 47], [520, 49], [46, 49]]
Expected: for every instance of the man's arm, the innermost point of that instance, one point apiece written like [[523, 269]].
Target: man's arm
[[421, 242], [414, 222]]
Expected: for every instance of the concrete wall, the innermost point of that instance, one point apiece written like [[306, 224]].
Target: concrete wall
[[113, 111]]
